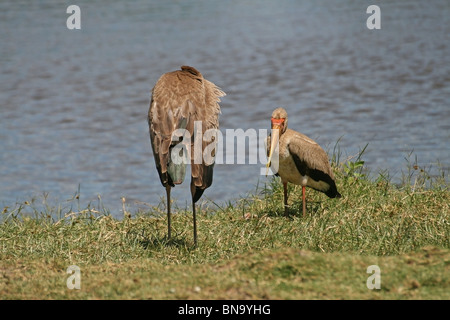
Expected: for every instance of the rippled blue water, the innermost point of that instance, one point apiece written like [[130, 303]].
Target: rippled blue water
[[73, 103]]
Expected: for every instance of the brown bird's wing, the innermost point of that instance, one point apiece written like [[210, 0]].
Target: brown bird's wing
[[202, 161], [180, 98], [171, 108], [311, 160]]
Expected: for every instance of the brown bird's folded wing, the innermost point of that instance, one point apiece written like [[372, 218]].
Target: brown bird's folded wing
[[171, 108], [204, 125], [179, 100]]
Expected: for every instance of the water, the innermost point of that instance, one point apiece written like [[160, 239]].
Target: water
[[73, 103]]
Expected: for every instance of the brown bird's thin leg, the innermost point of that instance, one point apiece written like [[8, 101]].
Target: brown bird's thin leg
[[285, 199], [195, 223], [168, 211], [304, 200], [196, 194]]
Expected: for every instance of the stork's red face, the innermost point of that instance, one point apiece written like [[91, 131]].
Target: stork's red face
[[278, 123]]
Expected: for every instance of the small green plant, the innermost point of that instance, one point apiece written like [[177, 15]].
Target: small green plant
[[353, 170], [421, 177]]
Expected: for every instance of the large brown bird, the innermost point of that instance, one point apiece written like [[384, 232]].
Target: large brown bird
[[180, 99], [301, 160]]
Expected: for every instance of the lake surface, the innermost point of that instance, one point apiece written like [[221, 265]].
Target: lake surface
[[73, 103]]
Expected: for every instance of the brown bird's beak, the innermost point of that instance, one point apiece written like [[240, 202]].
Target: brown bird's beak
[[277, 126]]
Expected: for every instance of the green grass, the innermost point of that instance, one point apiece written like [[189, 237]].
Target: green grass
[[246, 250]]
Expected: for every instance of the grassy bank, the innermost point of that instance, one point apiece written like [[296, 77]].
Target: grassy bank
[[247, 249]]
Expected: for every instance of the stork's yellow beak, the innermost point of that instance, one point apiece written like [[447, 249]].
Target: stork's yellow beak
[[274, 139]]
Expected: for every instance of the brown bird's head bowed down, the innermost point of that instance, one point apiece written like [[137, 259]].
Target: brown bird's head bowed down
[[301, 160], [180, 99]]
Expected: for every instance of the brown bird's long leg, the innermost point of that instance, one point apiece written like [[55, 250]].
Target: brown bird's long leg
[[304, 200], [195, 223], [168, 211], [196, 194], [285, 199]]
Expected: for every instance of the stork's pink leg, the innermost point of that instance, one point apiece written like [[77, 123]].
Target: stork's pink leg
[[285, 198], [304, 200]]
